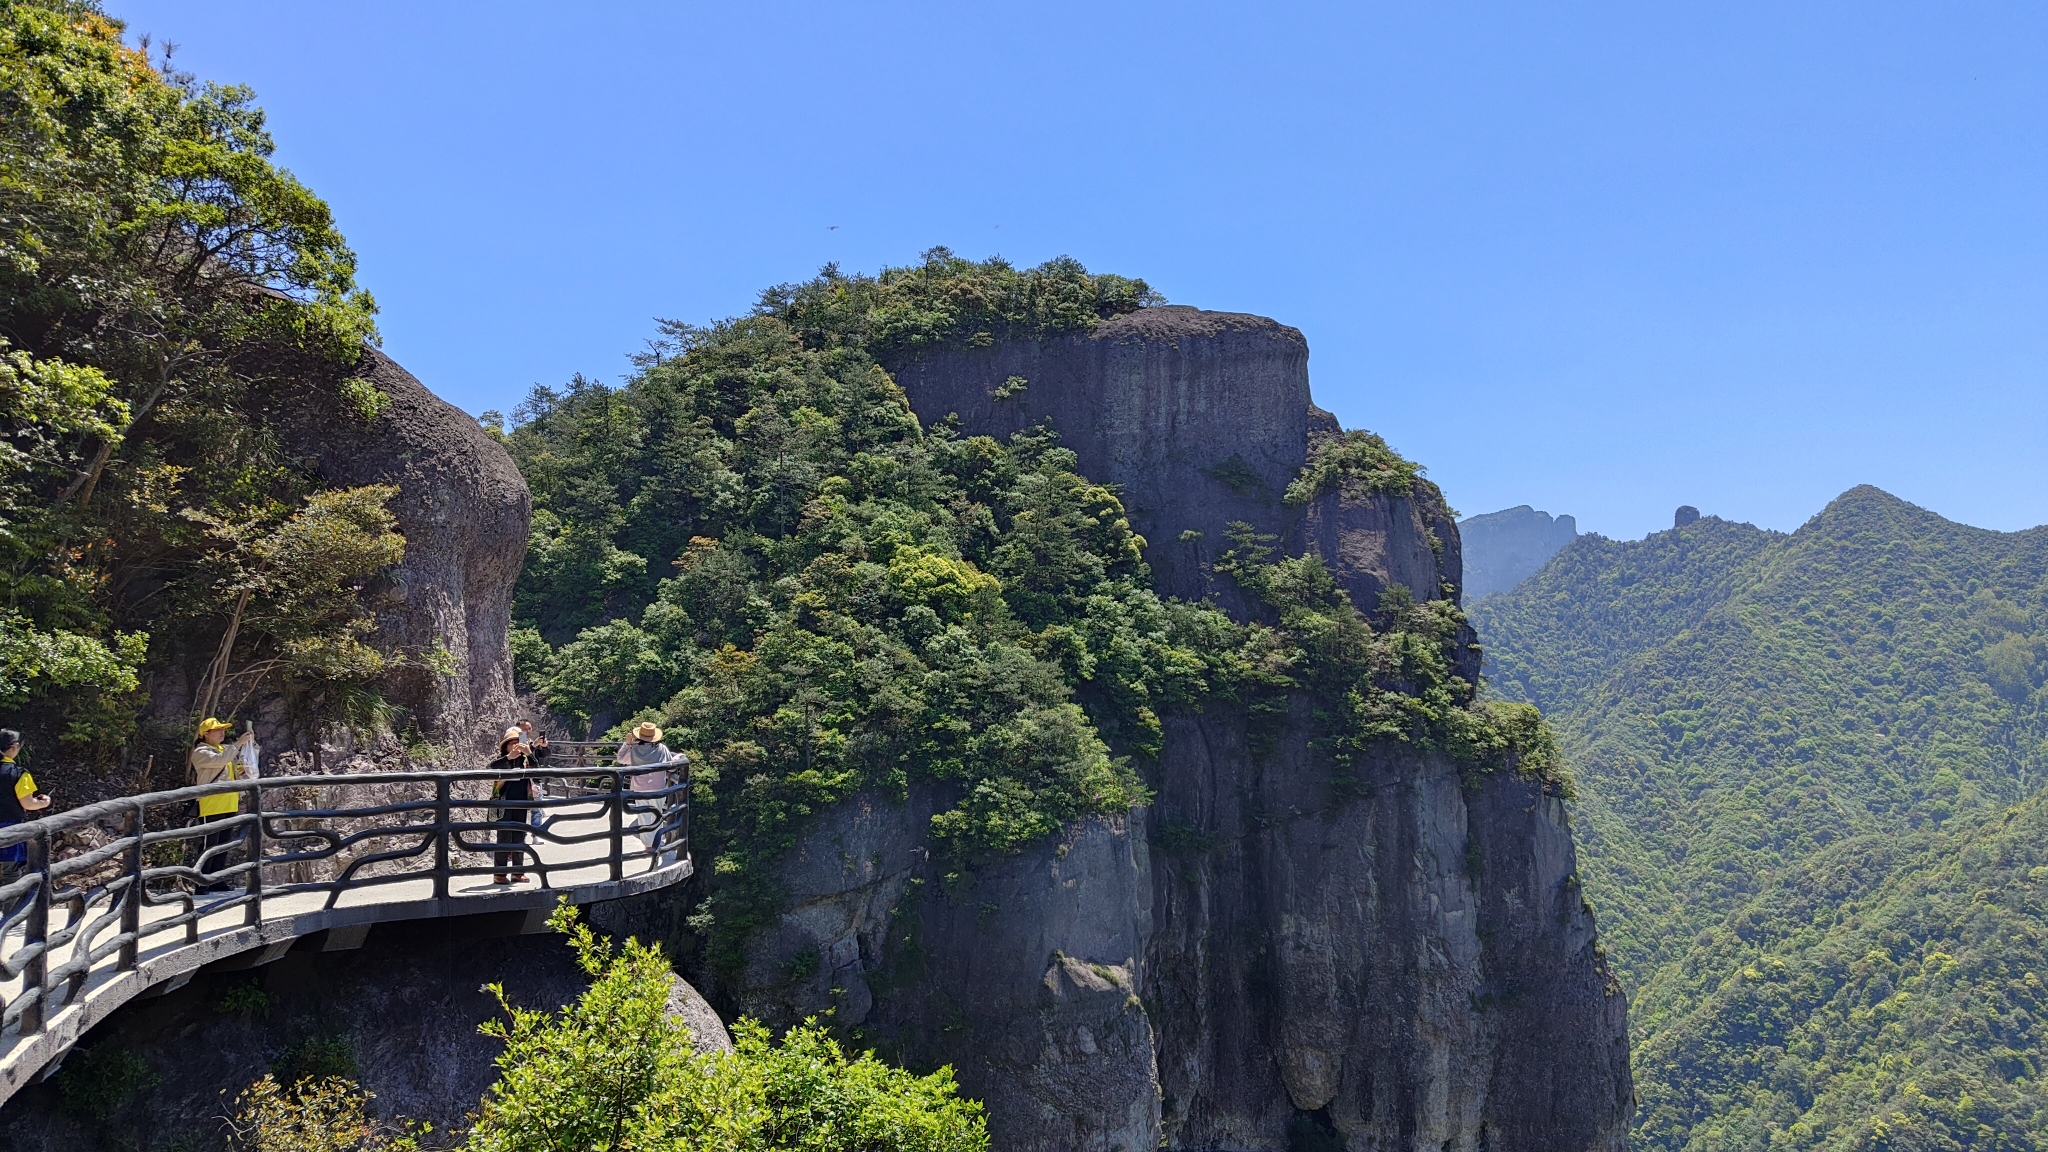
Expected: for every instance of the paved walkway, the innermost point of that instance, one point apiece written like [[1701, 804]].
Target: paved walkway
[[172, 940]]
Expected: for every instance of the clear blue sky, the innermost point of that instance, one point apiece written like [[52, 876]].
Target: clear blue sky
[[1599, 258]]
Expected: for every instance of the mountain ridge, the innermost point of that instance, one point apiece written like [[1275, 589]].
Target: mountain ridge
[[1779, 739]]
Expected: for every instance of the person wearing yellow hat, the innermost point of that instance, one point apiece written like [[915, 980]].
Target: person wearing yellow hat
[[213, 760]]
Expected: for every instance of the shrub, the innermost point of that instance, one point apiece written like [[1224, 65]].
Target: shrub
[[1356, 463], [329, 1114], [317, 1057], [614, 1071], [246, 1000]]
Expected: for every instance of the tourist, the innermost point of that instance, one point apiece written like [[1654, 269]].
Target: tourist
[[514, 755], [213, 761], [536, 741], [18, 799], [643, 746], [536, 747]]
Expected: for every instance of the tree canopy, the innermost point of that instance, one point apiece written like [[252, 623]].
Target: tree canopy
[[157, 272]]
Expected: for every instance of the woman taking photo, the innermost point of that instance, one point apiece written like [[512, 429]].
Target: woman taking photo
[[514, 755]]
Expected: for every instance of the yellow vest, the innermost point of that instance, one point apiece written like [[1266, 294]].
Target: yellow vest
[[219, 764]]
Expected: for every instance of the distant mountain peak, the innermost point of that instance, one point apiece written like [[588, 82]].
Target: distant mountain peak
[[1502, 549]]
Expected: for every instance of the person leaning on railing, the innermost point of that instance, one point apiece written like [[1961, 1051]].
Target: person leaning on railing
[[18, 798], [643, 746], [213, 760]]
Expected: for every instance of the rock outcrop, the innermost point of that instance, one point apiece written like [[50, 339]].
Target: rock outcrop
[[1260, 960], [463, 509], [1201, 419], [1504, 548]]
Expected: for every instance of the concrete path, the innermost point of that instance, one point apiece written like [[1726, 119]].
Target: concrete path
[[187, 931]]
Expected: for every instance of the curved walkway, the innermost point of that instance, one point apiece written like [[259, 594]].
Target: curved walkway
[[136, 894]]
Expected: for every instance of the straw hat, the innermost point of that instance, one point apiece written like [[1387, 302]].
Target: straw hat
[[210, 724], [648, 732], [511, 734]]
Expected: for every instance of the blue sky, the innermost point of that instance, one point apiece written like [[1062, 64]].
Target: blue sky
[[1600, 258]]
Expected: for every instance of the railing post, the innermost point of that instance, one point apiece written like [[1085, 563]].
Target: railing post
[[683, 826], [618, 823], [131, 912], [36, 933], [441, 834], [252, 846]]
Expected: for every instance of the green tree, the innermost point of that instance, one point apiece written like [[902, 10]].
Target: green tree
[[614, 1071], [160, 281]]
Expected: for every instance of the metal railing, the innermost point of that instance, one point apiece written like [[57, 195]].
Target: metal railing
[[104, 885]]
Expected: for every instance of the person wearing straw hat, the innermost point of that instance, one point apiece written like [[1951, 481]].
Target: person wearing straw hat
[[213, 760], [514, 755], [643, 747]]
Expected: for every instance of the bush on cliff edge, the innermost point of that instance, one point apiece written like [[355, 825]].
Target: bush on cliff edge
[[615, 1071]]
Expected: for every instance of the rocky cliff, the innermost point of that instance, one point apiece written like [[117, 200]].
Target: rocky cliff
[[1262, 959], [1504, 548], [463, 510]]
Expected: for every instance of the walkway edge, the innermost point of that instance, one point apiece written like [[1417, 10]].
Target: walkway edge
[[26, 1060]]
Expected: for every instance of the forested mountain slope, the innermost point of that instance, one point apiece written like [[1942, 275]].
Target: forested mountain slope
[[1808, 767], [1074, 703]]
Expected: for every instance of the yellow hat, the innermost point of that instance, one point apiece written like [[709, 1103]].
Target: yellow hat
[[209, 724], [648, 732]]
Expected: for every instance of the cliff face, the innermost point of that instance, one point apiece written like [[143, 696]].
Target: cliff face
[[1260, 960], [1407, 967], [1202, 418]]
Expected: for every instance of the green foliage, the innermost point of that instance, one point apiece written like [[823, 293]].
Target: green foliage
[[757, 543], [946, 299], [1355, 463], [97, 1082], [303, 623], [1797, 753], [317, 1115], [1233, 472], [364, 399], [246, 1000], [1394, 683], [33, 660], [157, 272], [614, 1071], [1884, 994]]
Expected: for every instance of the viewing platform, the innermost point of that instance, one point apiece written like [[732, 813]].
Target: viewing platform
[[132, 897]]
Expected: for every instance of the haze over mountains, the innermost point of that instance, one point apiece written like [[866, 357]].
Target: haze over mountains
[[1809, 768], [1504, 548]]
